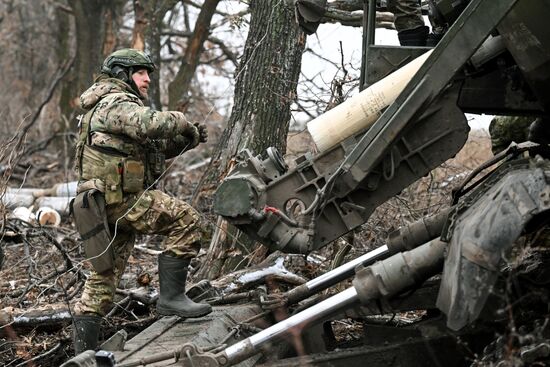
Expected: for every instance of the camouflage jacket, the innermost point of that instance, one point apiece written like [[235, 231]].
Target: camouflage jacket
[[120, 113], [122, 143]]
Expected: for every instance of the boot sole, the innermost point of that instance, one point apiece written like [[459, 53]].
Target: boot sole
[[170, 312]]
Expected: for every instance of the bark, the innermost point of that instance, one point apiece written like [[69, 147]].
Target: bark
[[146, 35], [28, 59], [180, 85], [140, 25], [96, 22], [266, 81], [54, 314], [347, 5]]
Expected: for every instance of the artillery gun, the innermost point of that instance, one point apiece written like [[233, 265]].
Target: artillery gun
[[495, 58]]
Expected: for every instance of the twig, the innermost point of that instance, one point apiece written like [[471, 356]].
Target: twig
[[28, 256], [147, 250], [35, 358], [120, 305]]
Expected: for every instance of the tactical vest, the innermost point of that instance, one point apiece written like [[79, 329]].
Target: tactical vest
[[114, 164]]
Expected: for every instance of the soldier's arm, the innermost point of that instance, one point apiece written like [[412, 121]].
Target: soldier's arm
[[139, 122]]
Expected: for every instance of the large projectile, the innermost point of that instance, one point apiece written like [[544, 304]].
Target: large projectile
[[362, 110]]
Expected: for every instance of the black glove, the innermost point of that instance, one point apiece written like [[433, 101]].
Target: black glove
[[181, 141], [203, 132], [191, 132]]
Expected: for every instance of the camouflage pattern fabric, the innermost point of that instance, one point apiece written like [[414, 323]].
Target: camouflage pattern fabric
[[154, 213], [99, 289], [121, 112], [507, 129], [120, 123], [407, 14]]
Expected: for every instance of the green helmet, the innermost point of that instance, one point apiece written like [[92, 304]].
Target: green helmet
[[129, 59]]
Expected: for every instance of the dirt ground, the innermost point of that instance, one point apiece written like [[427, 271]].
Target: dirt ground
[[43, 272]]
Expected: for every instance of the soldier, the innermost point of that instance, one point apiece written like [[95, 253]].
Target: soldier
[[120, 154], [408, 18], [408, 22]]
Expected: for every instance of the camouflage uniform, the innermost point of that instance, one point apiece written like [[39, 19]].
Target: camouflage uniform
[[507, 129], [120, 123], [407, 14]]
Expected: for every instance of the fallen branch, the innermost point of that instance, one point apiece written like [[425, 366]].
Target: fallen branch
[[143, 248], [38, 316], [145, 295], [355, 19], [247, 278], [40, 356]]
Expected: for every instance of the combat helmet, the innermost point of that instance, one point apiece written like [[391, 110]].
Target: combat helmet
[[122, 63]]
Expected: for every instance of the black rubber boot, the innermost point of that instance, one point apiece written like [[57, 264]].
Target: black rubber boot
[[172, 298], [433, 39], [85, 332], [414, 37]]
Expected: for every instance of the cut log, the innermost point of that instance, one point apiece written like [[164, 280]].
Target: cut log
[[12, 200], [57, 203], [38, 316]]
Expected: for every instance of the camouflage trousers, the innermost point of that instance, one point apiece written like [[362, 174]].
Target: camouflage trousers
[[154, 213], [407, 14]]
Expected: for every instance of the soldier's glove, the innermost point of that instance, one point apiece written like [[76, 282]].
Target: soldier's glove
[[192, 133], [182, 142], [203, 132]]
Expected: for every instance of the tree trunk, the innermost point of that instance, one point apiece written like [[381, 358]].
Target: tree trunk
[[96, 21], [147, 30], [140, 25], [180, 85], [266, 81], [28, 60]]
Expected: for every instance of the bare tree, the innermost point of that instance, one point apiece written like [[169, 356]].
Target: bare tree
[[96, 26], [28, 58], [149, 22], [180, 85]]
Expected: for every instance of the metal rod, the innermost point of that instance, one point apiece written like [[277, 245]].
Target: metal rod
[[334, 276], [250, 346]]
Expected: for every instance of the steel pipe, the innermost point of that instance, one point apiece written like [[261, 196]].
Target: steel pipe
[[252, 345]]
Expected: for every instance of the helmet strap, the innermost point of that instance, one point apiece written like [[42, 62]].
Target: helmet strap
[[121, 73]]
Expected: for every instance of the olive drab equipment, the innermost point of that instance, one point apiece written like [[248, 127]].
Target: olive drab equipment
[[105, 174], [108, 167], [88, 209]]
